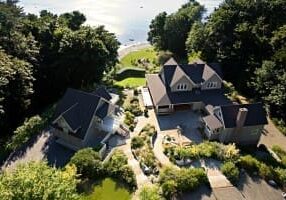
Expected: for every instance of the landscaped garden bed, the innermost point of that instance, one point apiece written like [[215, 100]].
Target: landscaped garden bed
[[142, 150], [132, 110], [186, 154]]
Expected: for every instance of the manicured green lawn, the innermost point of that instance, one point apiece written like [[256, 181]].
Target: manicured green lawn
[[108, 189], [146, 53], [131, 82]]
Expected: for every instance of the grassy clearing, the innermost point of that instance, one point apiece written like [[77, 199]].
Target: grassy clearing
[[130, 59], [131, 82], [108, 189]]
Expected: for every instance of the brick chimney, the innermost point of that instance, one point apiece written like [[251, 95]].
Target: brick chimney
[[241, 116]]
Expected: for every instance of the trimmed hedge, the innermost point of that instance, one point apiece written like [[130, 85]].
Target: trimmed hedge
[[129, 72]]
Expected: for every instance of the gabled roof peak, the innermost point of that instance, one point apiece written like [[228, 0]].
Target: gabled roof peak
[[171, 61]]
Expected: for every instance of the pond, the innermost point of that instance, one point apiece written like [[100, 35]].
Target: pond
[[128, 19], [108, 189]]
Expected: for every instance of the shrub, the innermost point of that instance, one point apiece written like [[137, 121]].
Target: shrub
[[230, 171], [117, 167], [150, 193], [265, 171], [281, 176], [129, 120], [169, 189], [87, 162], [185, 179], [280, 153], [249, 163], [134, 107], [137, 142]]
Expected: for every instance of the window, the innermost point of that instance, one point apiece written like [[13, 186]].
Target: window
[[212, 85], [182, 86]]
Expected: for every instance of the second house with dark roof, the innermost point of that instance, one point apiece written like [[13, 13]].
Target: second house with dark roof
[[86, 119]]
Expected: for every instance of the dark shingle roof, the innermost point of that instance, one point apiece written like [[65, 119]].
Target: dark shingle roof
[[104, 110], [77, 108], [161, 96], [102, 92], [197, 72], [194, 71], [256, 114]]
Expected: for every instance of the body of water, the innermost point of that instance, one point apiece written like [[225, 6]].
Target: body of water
[[128, 19]]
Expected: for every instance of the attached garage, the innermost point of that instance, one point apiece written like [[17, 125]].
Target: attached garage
[[182, 107]]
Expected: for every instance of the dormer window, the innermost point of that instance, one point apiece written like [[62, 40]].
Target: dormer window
[[212, 85], [182, 86]]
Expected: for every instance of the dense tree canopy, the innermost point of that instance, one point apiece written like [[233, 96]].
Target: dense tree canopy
[[169, 32], [16, 88], [35, 181], [42, 55], [248, 38]]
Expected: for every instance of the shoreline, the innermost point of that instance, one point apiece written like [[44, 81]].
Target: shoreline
[[124, 50]]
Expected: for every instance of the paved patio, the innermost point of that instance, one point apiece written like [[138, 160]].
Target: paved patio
[[189, 121]]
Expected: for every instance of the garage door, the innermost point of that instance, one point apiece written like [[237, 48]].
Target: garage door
[[182, 107]]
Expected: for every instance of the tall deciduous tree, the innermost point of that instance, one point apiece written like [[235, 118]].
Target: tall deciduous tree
[[169, 32], [16, 88], [38, 181]]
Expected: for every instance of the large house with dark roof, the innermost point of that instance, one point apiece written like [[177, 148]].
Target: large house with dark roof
[[86, 119], [199, 86]]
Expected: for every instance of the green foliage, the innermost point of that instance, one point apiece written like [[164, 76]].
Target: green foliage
[[248, 39], [249, 163], [131, 83], [150, 193], [134, 107], [30, 127], [117, 167], [38, 181], [73, 20], [16, 88], [143, 58], [173, 180], [144, 151], [280, 153], [129, 120], [137, 142], [88, 163], [170, 32], [230, 171], [204, 150], [41, 58], [281, 176]]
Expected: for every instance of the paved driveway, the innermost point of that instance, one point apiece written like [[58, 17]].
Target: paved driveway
[[41, 147], [189, 121]]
